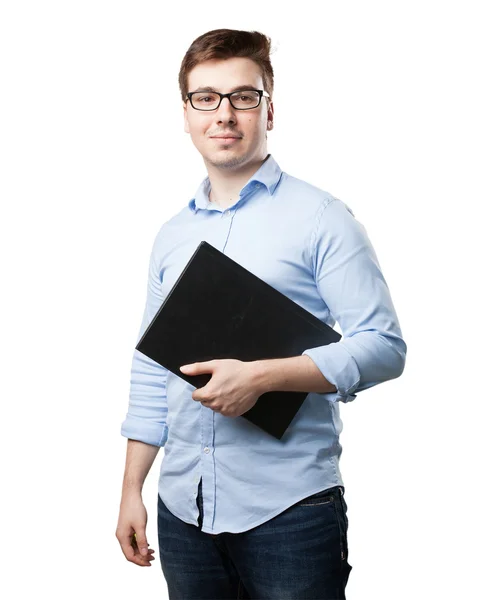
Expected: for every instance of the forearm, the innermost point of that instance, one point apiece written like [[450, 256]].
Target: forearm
[[139, 458], [295, 374]]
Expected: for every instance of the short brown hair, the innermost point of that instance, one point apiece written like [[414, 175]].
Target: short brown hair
[[228, 43]]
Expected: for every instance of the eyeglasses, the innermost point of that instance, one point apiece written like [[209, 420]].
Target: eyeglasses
[[240, 100]]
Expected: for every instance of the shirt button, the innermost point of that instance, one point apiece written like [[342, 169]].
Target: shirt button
[[227, 212], [206, 450], [257, 185]]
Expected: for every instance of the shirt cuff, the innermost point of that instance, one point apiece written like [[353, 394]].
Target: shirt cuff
[[145, 431], [338, 367]]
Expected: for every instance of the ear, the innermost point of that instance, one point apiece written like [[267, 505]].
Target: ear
[[185, 117], [270, 116]]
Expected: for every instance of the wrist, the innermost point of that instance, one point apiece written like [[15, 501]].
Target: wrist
[[132, 488], [260, 376]]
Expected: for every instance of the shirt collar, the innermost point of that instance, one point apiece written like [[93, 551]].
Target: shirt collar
[[268, 175]]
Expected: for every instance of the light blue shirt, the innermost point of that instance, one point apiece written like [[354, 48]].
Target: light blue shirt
[[309, 246]]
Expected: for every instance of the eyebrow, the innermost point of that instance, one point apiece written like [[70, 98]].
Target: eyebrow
[[238, 88]]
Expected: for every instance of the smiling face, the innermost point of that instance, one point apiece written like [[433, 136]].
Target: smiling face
[[248, 127]]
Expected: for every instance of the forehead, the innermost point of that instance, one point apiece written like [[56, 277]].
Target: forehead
[[225, 75]]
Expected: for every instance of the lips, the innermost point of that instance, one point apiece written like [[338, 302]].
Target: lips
[[228, 140], [226, 137]]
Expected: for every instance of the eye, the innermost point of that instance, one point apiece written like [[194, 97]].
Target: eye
[[246, 97]]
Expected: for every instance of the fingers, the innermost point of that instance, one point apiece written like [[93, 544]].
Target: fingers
[[143, 559], [131, 549], [141, 542]]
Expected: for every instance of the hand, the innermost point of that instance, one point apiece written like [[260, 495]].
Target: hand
[[130, 531], [232, 389]]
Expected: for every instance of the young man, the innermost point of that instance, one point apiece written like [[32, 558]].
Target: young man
[[240, 513]]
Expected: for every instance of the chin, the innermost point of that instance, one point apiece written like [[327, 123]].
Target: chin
[[226, 159]]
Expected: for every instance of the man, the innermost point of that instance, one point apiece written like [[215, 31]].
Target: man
[[240, 513]]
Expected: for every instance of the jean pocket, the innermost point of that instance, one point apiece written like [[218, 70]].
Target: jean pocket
[[323, 497], [342, 520], [344, 508]]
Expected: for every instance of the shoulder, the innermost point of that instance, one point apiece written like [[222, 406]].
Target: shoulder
[[177, 220], [314, 198], [167, 232]]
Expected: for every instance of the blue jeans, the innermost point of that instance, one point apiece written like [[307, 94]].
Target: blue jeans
[[301, 554]]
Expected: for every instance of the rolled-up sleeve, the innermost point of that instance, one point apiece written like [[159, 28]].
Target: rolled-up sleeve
[[349, 280], [147, 410]]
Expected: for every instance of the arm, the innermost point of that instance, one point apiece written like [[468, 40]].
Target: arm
[[349, 280], [131, 528], [295, 374], [139, 458], [147, 410], [146, 430]]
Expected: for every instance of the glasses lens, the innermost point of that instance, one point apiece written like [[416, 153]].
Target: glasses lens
[[210, 100], [205, 100], [247, 99]]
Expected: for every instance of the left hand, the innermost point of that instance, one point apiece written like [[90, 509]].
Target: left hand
[[232, 389]]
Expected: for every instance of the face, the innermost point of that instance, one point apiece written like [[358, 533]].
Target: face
[[248, 126]]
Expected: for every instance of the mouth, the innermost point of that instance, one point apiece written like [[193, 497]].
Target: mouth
[[225, 137], [226, 140]]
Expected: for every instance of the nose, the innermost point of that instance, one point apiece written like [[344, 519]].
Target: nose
[[225, 112]]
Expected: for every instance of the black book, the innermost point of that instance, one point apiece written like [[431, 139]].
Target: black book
[[218, 309]]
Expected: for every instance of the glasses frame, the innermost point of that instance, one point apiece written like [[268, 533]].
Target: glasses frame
[[228, 95]]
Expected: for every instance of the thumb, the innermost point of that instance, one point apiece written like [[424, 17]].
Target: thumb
[[196, 368], [141, 542]]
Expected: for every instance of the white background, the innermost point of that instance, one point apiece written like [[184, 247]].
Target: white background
[[375, 102]]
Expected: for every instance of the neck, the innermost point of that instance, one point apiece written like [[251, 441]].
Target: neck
[[226, 184]]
